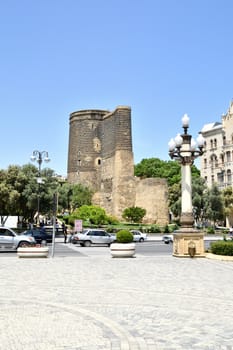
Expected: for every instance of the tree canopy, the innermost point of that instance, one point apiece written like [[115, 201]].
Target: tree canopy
[[19, 191], [155, 167]]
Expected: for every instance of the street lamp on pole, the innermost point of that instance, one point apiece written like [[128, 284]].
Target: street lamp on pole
[[184, 149], [39, 157]]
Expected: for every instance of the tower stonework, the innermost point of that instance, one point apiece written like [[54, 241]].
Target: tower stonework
[[100, 156]]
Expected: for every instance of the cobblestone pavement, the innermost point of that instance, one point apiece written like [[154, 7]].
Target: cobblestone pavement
[[102, 303]]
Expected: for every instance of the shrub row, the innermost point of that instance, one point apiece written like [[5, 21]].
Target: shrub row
[[222, 248]]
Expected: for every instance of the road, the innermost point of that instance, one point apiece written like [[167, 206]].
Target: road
[[149, 248]]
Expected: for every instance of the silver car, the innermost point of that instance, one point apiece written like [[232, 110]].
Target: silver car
[[138, 236], [10, 240], [93, 236]]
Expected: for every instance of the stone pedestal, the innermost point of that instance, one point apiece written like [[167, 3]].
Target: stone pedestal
[[188, 243]]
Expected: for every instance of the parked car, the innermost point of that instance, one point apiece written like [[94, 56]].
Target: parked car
[[49, 229], [92, 236], [39, 235], [10, 240], [167, 239], [138, 236]]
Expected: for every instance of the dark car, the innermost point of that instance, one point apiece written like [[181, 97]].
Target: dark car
[[167, 239], [40, 235]]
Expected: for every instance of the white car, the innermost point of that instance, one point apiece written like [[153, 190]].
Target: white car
[[10, 240], [92, 236], [138, 236]]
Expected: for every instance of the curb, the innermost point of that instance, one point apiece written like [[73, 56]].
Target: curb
[[219, 257]]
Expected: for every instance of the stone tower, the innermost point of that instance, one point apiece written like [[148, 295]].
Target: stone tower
[[100, 157]]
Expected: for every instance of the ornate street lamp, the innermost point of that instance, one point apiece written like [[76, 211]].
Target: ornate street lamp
[[39, 157], [185, 150]]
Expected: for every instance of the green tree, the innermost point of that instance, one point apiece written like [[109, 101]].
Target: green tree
[[198, 198], [19, 191], [91, 213], [134, 214], [213, 206], [155, 167], [81, 195], [228, 203]]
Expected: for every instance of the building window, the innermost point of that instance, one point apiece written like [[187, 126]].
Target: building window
[[228, 154], [212, 179], [98, 161], [205, 163], [220, 178], [211, 144], [222, 158], [215, 143], [228, 177], [214, 161]]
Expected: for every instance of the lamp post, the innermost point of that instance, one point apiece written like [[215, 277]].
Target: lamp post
[[39, 157], [184, 149]]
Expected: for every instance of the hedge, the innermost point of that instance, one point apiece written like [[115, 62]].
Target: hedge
[[222, 248], [124, 236]]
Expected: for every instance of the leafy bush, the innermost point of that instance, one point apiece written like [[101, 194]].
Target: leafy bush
[[222, 248], [154, 229], [166, 229], [210, 230], [124, 236], [134, 214]]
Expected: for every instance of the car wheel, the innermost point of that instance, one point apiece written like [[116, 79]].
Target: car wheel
[[87, 243], [24, 244], [141, 240]]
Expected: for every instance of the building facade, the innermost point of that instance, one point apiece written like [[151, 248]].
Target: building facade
[[217, 161], [100, 156]]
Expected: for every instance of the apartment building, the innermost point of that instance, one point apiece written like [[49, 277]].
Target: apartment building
[[217, 161]]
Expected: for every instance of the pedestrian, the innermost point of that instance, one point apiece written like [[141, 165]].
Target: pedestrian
[[64, 230]]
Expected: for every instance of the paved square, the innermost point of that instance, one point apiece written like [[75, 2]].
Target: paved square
[[101, 303]]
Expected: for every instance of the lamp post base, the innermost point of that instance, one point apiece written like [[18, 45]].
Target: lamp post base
[[188, 243]]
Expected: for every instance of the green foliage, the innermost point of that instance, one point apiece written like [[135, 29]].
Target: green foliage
[[124, 236], [166, 229], [213, 205], [19, 192], [81, 195], [222, 248], [155, 167], [210, 230], [134, 214], [154, 229], [90, 213], [228, 201]]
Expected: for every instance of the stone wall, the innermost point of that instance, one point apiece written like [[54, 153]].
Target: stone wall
[[152, 194]]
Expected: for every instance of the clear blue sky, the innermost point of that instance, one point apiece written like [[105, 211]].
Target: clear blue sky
[[163, 58]]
